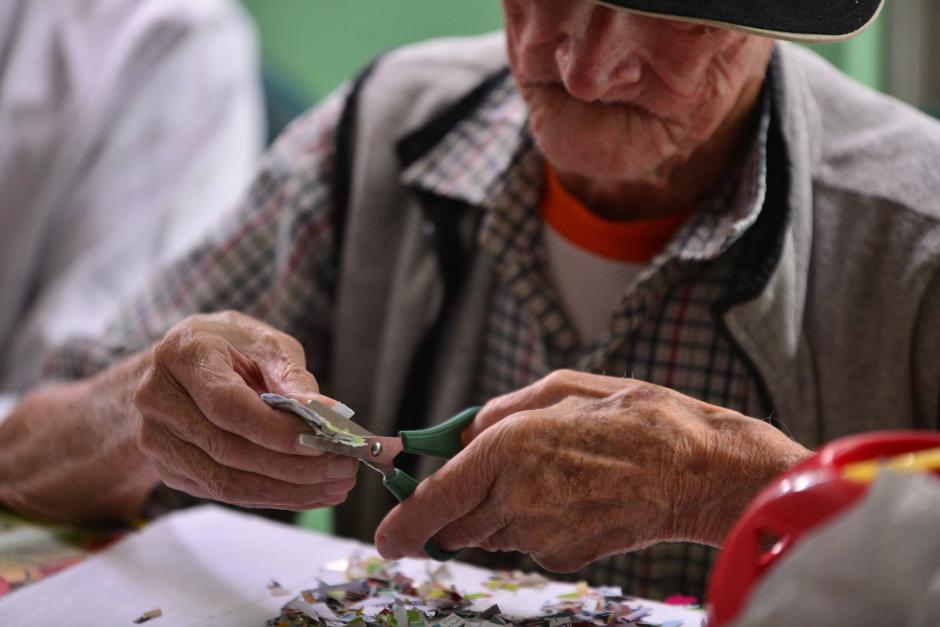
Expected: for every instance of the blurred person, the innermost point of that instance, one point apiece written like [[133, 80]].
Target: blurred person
[[127, 127], [642, 240]]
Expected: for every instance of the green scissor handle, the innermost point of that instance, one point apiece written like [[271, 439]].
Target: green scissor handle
[[442, 440]]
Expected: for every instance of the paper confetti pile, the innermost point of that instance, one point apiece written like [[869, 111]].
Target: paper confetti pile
[[377, 595]]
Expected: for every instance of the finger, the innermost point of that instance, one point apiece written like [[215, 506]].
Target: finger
[[214, 481], [220, 395], [495, 410], [160, 397], [539, 395], [548, 391], [233, 451], [501, 407], [481, 527], [447, 495], [267, 359], [182, 483], [571, 559]]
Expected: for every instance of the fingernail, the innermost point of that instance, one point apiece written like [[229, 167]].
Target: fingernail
[[342, 468], [309, 444]]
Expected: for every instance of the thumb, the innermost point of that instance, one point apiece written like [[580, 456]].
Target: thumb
[[447, 495]]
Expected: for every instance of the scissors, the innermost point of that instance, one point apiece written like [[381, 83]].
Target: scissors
[[338, 434]]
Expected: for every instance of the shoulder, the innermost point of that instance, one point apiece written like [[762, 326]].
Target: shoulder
[[410, 85], [143, 32], [871, 145], [117, 15]]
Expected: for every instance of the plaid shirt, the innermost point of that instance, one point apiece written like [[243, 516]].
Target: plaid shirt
[[275, 262]]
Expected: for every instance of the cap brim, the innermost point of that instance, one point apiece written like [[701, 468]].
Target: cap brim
[[818, 21]]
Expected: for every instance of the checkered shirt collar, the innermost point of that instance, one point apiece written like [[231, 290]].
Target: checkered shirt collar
[[488, 160]]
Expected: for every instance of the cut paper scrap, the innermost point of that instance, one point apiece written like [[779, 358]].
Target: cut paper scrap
[[313, 414], [513, 580], [276, 589], [148, 616]]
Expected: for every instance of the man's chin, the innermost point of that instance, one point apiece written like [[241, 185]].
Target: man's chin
[[599, 158]]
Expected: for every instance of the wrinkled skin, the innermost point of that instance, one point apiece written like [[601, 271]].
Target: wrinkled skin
[[186, 413], [638, 115], [580, 466], [207, 432]]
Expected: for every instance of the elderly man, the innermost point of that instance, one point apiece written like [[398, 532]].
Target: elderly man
[[653, 235]]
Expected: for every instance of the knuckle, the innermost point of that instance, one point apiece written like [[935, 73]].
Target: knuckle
[[173, 342], [506, 539], [147, 395], [637, 395], [148, 440], [291, 344], [554, 387], [297, 372], [463, 532], [228, 315], [270, 341], [559, 378]]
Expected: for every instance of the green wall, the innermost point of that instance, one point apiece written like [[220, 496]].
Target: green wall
[[316, 44], [319, 43], [863, 57]]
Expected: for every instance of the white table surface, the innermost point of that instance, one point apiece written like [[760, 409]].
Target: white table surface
[[212, 566]]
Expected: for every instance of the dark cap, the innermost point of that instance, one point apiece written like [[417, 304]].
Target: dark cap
[[801, 20]]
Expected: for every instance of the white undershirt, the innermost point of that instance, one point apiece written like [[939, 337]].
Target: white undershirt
[[588, 285]]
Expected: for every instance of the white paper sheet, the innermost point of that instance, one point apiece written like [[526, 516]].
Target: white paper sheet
[[212, 566]]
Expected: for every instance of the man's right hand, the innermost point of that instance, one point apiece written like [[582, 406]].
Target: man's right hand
[[208, 433]]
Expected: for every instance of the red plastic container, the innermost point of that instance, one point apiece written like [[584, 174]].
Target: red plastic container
[[802, 498]]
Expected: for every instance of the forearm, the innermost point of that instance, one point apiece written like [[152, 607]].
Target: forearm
[[69, 452]]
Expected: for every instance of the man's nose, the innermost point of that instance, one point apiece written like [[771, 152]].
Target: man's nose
[[599, 54]]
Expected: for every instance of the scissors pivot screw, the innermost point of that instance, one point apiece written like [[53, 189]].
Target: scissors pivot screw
[[376, 449]]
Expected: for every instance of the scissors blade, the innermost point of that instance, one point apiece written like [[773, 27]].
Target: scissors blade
[[338, 419], [378, 452]]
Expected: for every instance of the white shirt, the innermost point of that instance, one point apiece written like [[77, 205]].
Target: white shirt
[[127, 128], [589, 286]]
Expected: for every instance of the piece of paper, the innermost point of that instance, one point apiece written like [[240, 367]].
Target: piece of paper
[[313, 413], [210, 566]]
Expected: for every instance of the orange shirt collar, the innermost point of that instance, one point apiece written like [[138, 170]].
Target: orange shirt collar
[[635, 241]]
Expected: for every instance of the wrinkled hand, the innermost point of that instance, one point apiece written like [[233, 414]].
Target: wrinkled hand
[[579, 466], [209, 434]]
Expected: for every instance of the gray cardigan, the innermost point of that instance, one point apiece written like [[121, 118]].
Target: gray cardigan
[[843, 331]]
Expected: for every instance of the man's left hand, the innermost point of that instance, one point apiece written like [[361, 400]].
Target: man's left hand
[[579, 466]]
